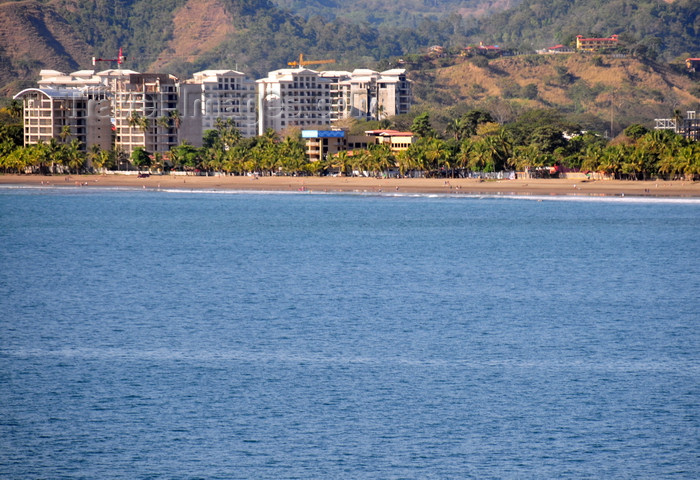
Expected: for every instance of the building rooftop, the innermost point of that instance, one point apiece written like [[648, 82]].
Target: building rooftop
[[115, 72], [55, 93], [389, 133], [611, 37], [214, 73], [394, 71]]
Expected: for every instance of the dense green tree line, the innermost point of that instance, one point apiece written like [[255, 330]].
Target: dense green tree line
[[473, 142]]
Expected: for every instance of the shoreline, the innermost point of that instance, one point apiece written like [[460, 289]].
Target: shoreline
[[565, 187]]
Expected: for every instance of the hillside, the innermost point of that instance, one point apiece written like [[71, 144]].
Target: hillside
[[32, 36], [198, 27], [256, 36], [182, 36], [584, 86], [656, 28], [407, 14]]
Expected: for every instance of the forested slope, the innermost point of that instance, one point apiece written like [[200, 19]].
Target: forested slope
[[255, 36], [657, 28]]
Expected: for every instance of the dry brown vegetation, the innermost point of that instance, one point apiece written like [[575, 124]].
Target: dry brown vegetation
[[198, 26], [31, 36], [576, 83]]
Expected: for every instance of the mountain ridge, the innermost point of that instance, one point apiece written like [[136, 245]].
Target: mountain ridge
[[256, 36]]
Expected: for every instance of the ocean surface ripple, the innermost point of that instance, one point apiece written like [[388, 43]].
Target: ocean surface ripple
[[190, 335]]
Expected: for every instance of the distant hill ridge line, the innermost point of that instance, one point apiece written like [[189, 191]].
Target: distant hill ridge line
[[184, 36]]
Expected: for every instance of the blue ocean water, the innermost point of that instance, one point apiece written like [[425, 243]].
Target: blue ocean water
[[202, 335]]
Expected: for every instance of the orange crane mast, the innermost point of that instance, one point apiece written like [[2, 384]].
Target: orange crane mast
[[301, 62]]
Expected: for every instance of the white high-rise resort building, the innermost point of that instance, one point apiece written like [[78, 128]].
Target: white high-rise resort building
[[225, 94], [126, 109], [293, 97], [67, 107], [143, 106], [369, 95]]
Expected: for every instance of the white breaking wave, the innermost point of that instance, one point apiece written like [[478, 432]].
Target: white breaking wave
[[595, 198]]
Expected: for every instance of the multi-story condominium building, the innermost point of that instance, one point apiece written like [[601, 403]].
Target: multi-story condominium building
[[339, 93], [368, 95], [293, 97], [67, 107], [689, 126], [143, 106], [322, 144], [65, 115], [126, 109], [595, 44], [224, 94], [396, 141], [394, 93], [59, 80]]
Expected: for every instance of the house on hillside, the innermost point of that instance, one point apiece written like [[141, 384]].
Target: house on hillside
[[481, 49], [437, 51], [556, 49], [693, 64], [595, 44]]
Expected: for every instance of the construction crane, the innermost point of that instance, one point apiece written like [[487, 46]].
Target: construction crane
[[301, 62], [120, 59]]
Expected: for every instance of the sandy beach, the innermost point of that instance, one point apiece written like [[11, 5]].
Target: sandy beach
[[362, 184]]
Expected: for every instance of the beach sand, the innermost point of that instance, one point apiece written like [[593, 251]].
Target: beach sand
[[362, 184]]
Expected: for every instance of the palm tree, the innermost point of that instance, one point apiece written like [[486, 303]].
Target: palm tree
[[292, 155], [436, 153], [93, 154], [103, 160], [176, 117], [525, 157], [75, 158], [380, 158], [678, 120], [380, 112], [404, 161], [158, 162], [501, 148], [19, 160], [592, 157], [15, 109], [464, 154], [688, 161], [65, 133], [481, 159], [459, 128], [136, 120], [340, 160], [612, 160], [228, 133], [53, 154], [163, 122], [270, 135]]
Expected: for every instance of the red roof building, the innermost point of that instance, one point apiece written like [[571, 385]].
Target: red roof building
[[595, 44], [693, 64]]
